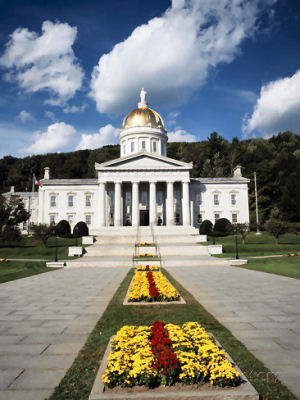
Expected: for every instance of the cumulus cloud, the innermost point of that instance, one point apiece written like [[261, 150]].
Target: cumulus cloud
[[108, 134], [50, 115], [45, 61], [25, 116], [180, 135], [171, 55], [74, 109], [57, 136], [172, 117], [277, 108]]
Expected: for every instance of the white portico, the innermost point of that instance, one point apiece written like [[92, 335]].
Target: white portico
[[144, 189]]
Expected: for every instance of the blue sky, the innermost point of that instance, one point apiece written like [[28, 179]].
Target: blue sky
[[71, 70]]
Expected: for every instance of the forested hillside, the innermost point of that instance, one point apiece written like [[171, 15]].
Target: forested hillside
[[275, 160]]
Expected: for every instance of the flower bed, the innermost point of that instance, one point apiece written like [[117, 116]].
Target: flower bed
[[147, 268], [166, 354], [150, 287], [145, 244], [146, 255]]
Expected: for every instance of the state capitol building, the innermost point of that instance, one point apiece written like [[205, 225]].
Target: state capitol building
[[142, 187]]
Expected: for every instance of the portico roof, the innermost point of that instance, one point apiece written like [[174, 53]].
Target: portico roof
[[144, 161]]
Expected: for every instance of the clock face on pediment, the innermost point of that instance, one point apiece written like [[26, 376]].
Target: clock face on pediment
[[143, 161]]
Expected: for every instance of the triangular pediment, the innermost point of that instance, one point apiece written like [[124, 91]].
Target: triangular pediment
[[144, 160]]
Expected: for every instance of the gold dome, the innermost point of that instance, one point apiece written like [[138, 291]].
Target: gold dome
[[143, 116]]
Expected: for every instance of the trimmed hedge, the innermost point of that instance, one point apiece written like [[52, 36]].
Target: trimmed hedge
[[80, 229], [205, 227], [223, 227], [63, 228]]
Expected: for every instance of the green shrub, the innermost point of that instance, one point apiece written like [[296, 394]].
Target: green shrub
[[80, 229], [63, 228], [222, 227], [205, 227]]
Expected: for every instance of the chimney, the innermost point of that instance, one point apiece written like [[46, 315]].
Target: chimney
[[12, 189], [47, 173], [237, 172]]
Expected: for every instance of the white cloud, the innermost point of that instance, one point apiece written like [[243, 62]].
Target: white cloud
[[277, 109], [44, 62], [57, 136], [74, 109], [180, 135], [25, 116], [172, 118], [171, 55], [108, 134], [50, 115]]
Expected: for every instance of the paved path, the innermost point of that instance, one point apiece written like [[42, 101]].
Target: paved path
[[262, 310], [44, 321]]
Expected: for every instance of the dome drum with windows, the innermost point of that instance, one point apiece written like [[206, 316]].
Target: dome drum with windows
[[143, 130]]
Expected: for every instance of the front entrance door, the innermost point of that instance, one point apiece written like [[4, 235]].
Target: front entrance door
[[144, 217]]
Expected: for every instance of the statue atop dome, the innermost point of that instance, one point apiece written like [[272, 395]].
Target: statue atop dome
[[142, 103]]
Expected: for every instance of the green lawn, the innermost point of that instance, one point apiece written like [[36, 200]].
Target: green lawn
[[286, 266], [12, 270], [258, 245], [78, 381], [29, 247]]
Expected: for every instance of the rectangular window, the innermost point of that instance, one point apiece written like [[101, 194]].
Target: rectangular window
[[52, 201], [154, 147], [88, 219], [88, 201], [25, 203], [70, 201], [132, 147], [52, 219], [233, 199], [217, 216], [234, 218], [24, 226], [70, 219], [199, 218], [159, 198], [216, 199], [143, 144], [123, 149], [144, 198]]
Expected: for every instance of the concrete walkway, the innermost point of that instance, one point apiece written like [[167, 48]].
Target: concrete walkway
[[262, 310], [44, 321]]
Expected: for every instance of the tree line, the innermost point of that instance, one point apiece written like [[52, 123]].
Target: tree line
[[275, 160]]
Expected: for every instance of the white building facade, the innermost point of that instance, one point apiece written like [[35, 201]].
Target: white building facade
[[142, 187]]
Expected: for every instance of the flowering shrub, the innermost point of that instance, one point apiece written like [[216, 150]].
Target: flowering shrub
[[145, 244], [293, 254], [147, 268], [151, 287], [4, 260], [146, 255], [165, 354]]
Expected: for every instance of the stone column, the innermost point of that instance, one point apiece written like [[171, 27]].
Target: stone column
[[185, 204], [170, 204], [152, 201], [117, 221], [102, 202], [135, 217]]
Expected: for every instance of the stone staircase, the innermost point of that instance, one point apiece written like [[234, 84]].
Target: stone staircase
[[114, 247], [176, 246]]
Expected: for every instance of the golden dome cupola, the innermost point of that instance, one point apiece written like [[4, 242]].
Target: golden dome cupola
[[143, 130]]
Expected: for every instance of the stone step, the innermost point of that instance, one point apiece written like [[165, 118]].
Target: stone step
[[184, 251], [193, 261]]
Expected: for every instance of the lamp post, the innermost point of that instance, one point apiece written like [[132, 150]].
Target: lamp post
[[56, 250], [236, 246]]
